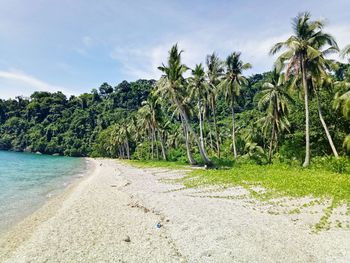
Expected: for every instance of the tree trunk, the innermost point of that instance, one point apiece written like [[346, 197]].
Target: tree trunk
[[325, 127], [211, 138], [149, 147], [271, 142], [152, 140], [162, 145], [188, 148], [156, 143], [202, 151], [307, 121], [216, 129], [233, 133], [127, 149], [200, 125]]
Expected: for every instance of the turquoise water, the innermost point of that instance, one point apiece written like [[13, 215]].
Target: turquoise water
[[28, 180]]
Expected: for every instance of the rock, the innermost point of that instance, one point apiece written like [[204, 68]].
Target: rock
[[27, 149], [56, 154], [126, 239], [38, 153]]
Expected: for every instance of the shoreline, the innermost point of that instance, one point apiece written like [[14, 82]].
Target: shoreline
[[113, 214], [34, 186], [21, 230], [92, 220]]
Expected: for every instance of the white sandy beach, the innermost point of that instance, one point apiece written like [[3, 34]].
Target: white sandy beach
[[111, 216]]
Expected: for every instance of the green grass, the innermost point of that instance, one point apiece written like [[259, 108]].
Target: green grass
[[278, 179], [157, 164]]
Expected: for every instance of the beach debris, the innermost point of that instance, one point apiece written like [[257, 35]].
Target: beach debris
[[159, 225], [113, 185], [126, 239]]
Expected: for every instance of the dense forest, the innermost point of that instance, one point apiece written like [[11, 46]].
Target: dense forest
[[212, 112]]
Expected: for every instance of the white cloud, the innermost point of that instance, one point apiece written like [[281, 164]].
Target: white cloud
[[142, 62], [18, 80], [341, 35]]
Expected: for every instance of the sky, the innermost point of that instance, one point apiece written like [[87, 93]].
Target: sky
[[75, 46]]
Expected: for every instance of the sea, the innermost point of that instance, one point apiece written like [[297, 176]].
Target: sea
[[29, 180]]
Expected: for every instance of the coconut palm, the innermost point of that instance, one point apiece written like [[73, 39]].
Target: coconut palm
[[119, 140], [199, 92], [320, 80], [214, 73], [150, 118], [231, 85], [275, 99], [173, 86], [300, 48]]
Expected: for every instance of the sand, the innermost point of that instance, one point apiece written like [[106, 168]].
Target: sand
[[111, 215]]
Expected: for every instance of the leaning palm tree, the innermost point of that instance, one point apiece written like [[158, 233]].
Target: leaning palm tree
[[199, 92], [275, 99], [320, 80], [231, 85], [300, 48], [214, 73], [173, 85]]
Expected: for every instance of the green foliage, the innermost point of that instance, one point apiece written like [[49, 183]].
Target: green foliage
[[337, 165], [157, 164], [179, 118], [50, 123], [279, 179]]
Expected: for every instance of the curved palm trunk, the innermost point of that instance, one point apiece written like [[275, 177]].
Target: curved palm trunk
[[188, 148], [202, 151], [307, 121], [329, 137], [233, 133]]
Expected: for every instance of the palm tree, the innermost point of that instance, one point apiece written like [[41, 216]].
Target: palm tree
[[302, 47], [198, 91], [231, 84], [173, 85], [275, 99], [214, 73], [119, 140], [319, 79]]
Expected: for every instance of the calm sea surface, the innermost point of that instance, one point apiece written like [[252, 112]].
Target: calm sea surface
[[28, 180]]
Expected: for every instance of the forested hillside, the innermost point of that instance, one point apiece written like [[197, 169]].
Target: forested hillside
[[298, 110], [52, 123]]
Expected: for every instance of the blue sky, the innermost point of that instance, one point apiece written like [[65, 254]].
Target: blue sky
[[74, 46]]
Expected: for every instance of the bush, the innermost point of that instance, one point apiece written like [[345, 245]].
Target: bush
[[330, 163]]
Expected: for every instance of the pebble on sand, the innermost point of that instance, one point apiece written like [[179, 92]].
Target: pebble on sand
[[126, 239]]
